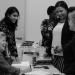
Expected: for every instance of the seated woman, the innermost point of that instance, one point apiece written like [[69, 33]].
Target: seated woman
[[5, 67]]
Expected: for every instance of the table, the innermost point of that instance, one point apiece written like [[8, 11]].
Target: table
[[26, 54], [23, 50], [41, 71]]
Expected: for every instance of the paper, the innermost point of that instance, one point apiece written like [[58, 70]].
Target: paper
[[22, 65], [38, 72]]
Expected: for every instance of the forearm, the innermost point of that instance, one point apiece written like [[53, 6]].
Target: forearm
[[6, 67]]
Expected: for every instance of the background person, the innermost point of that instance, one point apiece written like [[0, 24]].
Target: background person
[[46, 30]]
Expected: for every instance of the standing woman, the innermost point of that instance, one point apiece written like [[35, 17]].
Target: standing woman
[[68, 43], [61, 10], [8, 25], [46, 30]]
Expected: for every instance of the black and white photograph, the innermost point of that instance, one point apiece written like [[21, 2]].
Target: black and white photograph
[[37, 37]]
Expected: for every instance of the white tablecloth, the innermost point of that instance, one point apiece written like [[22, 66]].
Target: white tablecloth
[[41, 71]]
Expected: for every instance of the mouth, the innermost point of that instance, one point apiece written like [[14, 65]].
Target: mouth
[[13, 21]]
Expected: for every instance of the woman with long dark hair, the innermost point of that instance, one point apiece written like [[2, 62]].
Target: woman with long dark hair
[[8, 50], [8, 25]]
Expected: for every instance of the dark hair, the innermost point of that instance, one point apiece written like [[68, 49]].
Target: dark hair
[[62, 4], [11, 26], [71, 9], [50, 10], [11, 10]]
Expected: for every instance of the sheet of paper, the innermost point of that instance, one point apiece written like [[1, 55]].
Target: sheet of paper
[[38, 72], [23, 65]]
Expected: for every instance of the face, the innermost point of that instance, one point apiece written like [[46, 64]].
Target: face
[[61, 13], [2, 41], [71, 20], [13, 17]]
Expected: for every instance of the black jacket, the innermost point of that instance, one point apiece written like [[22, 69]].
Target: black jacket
[[68, 45]]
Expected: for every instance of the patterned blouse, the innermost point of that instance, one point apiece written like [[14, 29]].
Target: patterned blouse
[[10, 38], [46, 31]]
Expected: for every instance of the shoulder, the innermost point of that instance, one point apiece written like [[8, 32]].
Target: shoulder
[[44, 22]]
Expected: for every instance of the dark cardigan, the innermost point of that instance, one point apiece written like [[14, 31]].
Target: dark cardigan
[[10, 37], [68, 45]]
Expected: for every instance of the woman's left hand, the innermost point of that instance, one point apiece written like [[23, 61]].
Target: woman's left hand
[[58, 49]]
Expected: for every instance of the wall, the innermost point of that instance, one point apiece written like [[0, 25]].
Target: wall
[[32, 12], [35, 13], [20, 4]]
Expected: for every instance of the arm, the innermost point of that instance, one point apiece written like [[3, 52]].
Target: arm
[[44, 27], [12, 44], [5, 67]]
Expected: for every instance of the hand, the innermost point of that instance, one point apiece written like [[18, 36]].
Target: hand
[[13, 59], [58, 49], [14, 71]]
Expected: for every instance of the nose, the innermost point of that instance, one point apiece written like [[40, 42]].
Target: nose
[[59, 14], [16, 18]]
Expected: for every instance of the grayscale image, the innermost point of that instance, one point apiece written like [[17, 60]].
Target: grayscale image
[[37, 37]]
